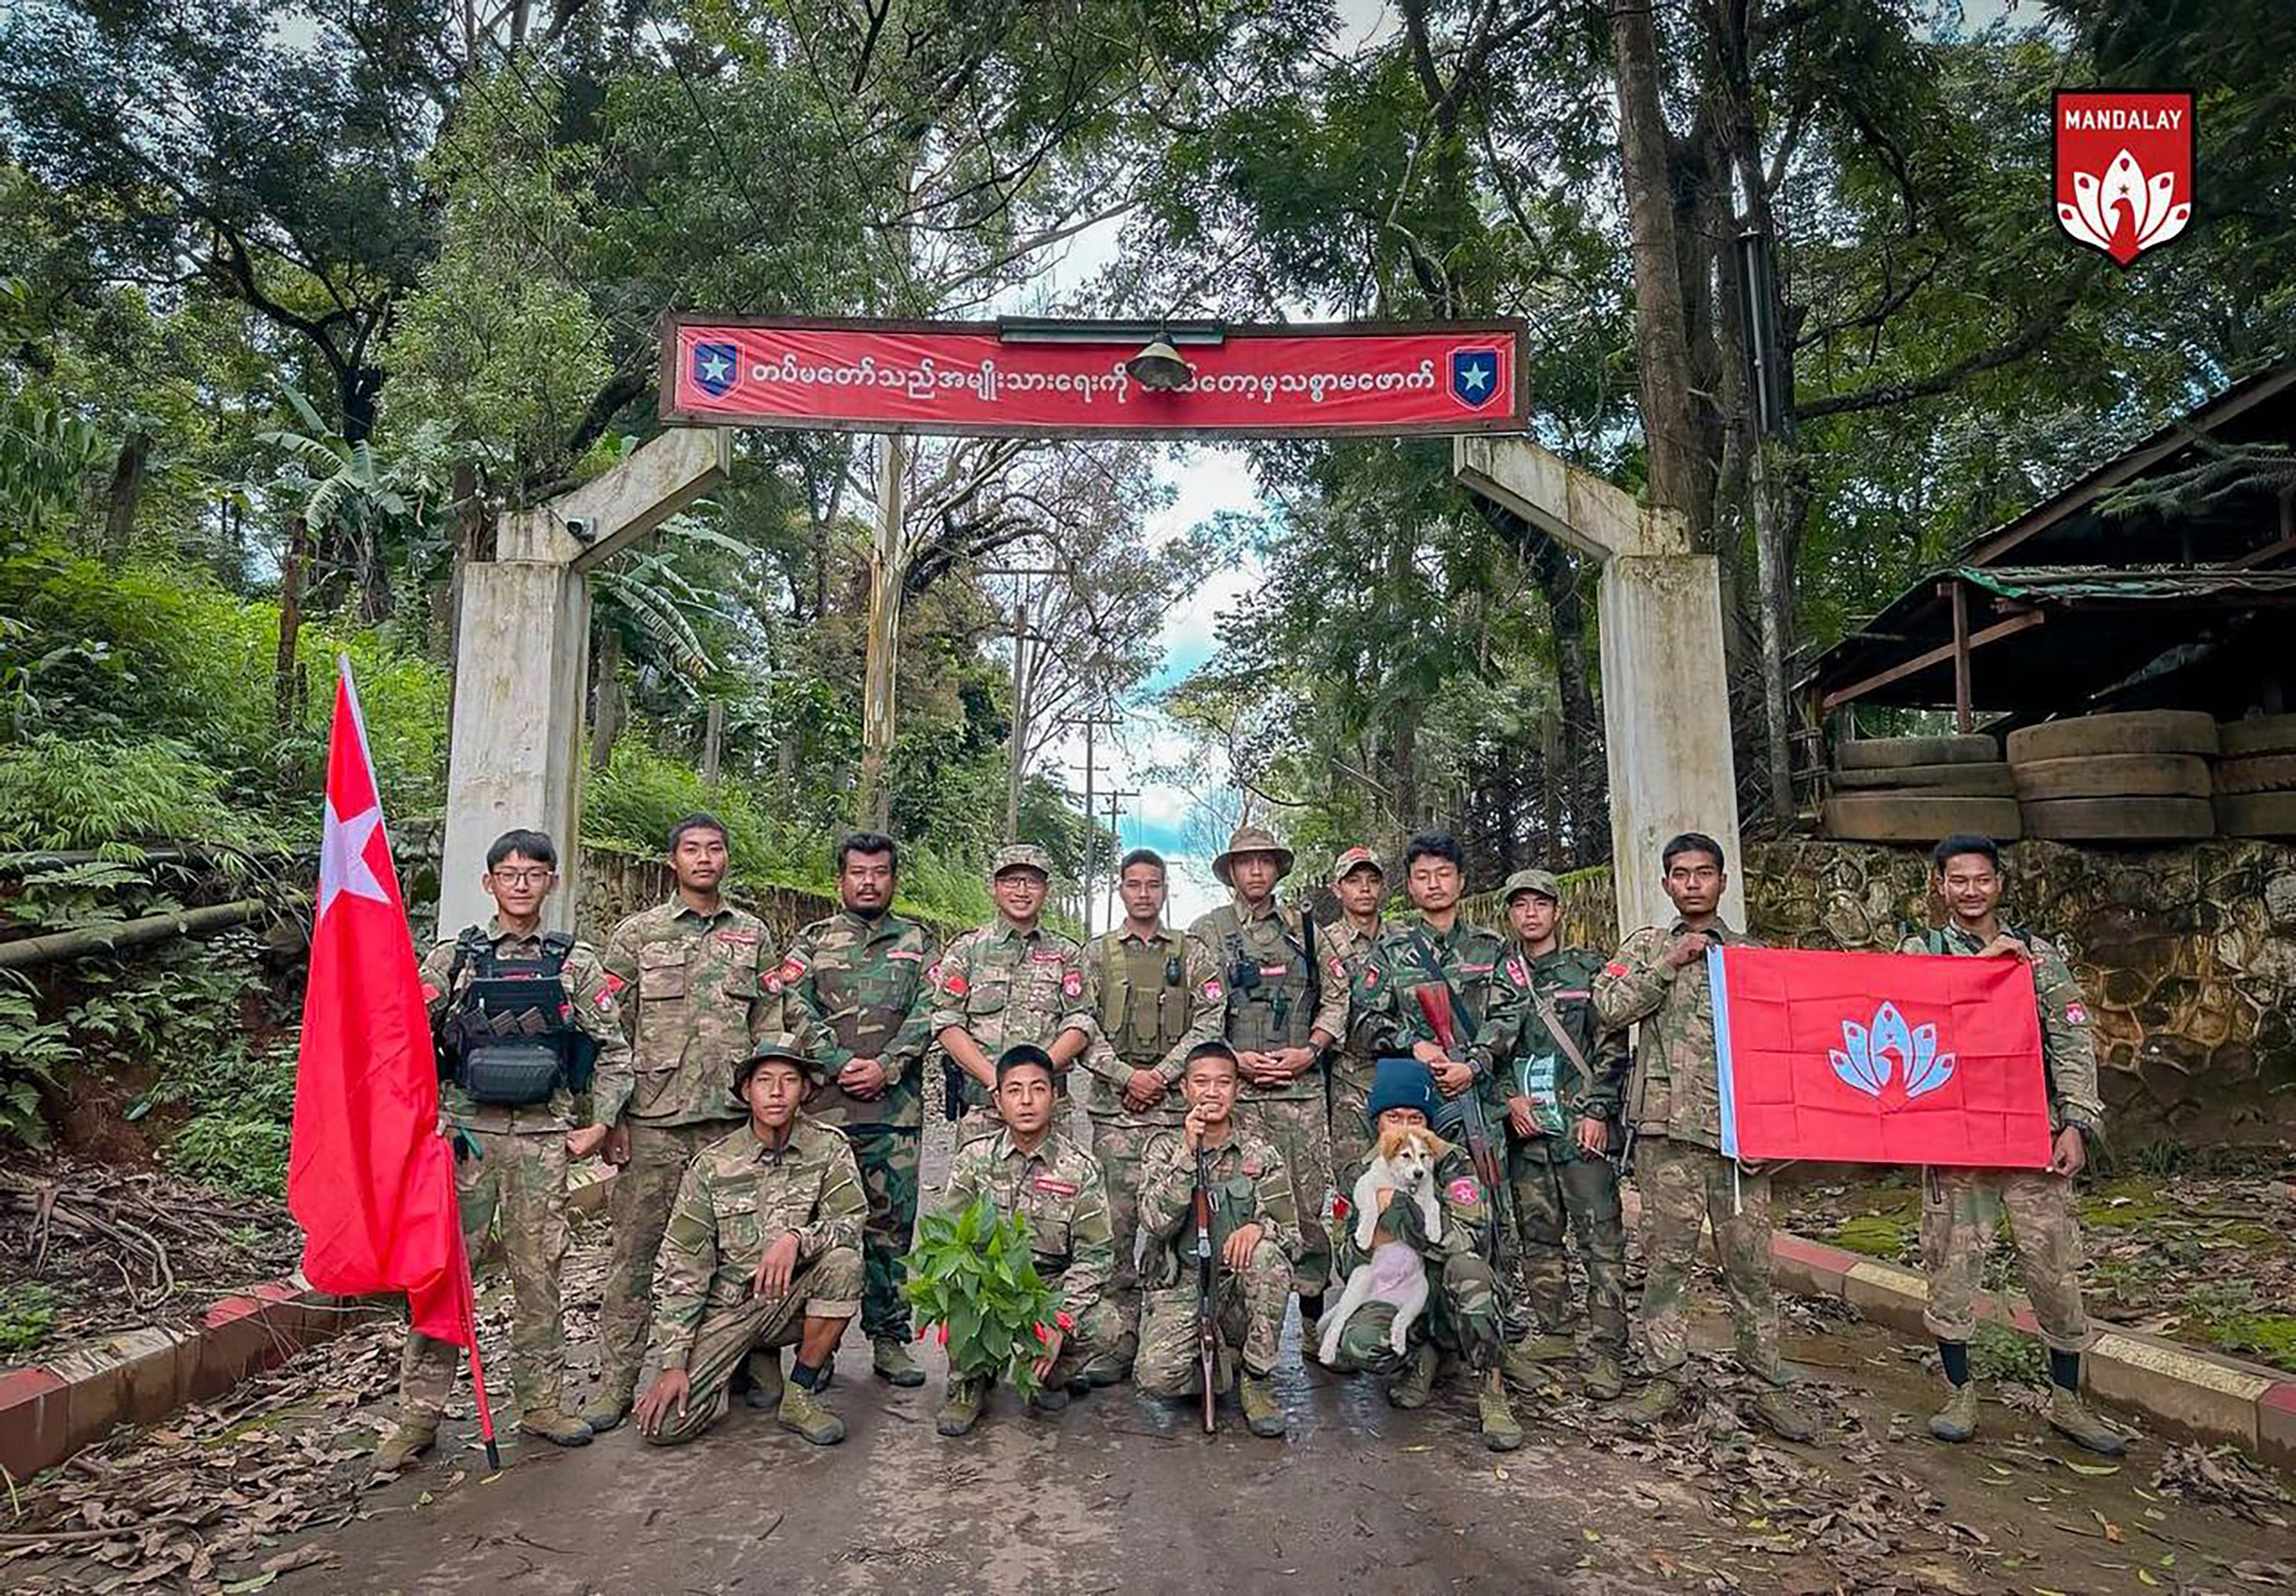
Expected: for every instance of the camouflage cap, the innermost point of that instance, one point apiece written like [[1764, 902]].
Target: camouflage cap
[[1252, 839], [1541, 882], [779, 1044], [1020, 856], [1354, 859]]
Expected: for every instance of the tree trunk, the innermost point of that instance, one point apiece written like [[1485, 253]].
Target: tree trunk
[[127, 488], [1578, 761], [873, 804], [1662, 339], [606, 716], [472, 543], [287, 701], [713, 740]]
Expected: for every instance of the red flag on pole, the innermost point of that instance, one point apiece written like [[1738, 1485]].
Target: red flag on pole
[[1879, 1059], [369, 1178]]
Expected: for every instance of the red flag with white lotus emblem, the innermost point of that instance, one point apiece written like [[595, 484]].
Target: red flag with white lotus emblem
[[2124, 168]]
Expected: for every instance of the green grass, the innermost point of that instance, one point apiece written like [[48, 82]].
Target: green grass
[[28, 1312]]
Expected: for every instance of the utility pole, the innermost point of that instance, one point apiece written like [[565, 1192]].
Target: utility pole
[[1091, 723], [1025, 667], [1116, 829]]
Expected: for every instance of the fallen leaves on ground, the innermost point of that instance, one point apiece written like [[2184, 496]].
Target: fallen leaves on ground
[[2223, 1477]]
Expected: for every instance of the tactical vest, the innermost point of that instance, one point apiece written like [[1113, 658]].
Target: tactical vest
[[509, 1037], [1144, 999], [1272, 990]]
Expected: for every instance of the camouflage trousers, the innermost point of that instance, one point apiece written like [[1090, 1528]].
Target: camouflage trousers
[[1118, 1141], [1350, 1096], [889, 1179], [1249, 1308], [827, 1288], [1583, 1194], [644, 1189], [1961, 1215], [520, 1175], [1297, 1128], [1463, 1317], [1683, 1186]]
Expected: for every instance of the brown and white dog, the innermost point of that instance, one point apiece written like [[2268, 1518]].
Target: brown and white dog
[[1405, 1164]]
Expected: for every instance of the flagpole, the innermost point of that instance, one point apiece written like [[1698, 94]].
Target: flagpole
[[470, 1304]]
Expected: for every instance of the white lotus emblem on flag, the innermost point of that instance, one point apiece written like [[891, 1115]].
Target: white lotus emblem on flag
[[2149, 201], [1891, 1062]]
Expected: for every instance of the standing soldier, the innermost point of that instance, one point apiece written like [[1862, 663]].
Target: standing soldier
[[762, 1250], [1025, 1166], [1285, 1013], [1010, 981], [1154, 994], [691, 975], [1360, 884], [524, 1016], [1657, 982], [1561, 1076], [853, 987], [1962, 1209], [1252, 1227]]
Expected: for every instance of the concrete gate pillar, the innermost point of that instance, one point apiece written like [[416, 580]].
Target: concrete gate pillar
[[523, 663], [1666, 696]]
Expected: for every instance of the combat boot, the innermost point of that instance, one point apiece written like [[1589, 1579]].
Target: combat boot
[[1602, 1380], [1522, 1359], [1782, 1416], [1311, 1339], [1416, 1383], [1263, 1415], [799, 1410], [607, 1406], [960, 1409], [553, 1424], [1501, 1433], [2069, 1417], [1658, 1400], [762, 1378], [404, 1444], [1956, 1421], [889, 1356]]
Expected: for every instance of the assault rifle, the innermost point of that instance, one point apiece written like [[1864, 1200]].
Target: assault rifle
[[1435, 1005], [1207, 1304]]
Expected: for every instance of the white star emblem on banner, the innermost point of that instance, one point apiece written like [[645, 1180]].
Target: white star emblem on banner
[[1475, 376], [342, 857]]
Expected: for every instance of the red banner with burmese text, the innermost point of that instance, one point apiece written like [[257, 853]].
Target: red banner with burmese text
[[962, 377]]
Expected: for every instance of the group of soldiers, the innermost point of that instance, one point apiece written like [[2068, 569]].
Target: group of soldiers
[[766, 1110]]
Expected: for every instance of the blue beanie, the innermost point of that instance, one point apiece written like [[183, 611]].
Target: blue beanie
[[1400, 1084]]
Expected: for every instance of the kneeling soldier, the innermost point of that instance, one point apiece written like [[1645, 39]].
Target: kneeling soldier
[[1463, 1316], [763, 1249], [1024, 1167], [1253, 1226]]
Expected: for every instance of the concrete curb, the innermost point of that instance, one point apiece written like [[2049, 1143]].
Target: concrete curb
[[49, 1410], [2204, 1396]]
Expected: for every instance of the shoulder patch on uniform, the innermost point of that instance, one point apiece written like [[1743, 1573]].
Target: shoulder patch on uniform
[[2077, 1013], [1045, 1183], [957, 985], [1518, 972], [1337, 966], [1072, 985], [1254, 1167], [1614, 967], [1213, 990], [1370, 975], [605, 998], [431, 994], [1340, 1210], [1464, 1192]]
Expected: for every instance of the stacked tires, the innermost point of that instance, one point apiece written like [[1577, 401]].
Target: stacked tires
[[2256, 777], [2140, 777], [1919, 789]]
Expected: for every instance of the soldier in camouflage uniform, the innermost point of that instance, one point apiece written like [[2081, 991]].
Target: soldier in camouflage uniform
[[763, 1250], [1154, 993], [1962, 1209], [1465, 1317], [1285, 1015], [1560, 1074], [691, 976], [513, 1161], [1027, 1167], [1010, 981], [1657, 982], [1360, 886], [853, 988], [1254, 1231]]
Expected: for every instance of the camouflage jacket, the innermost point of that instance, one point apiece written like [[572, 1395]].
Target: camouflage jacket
[[1524, 1059], [1482, 972], [1199, 997], [1060, 1191], [1345, 951], [694, 999], [1275, 945], [739, 1197], [1674, 1086], [2068, 1044], [590, 992], [854, 989], [1466, 1214], [1249, 1186], [1003, 984]]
